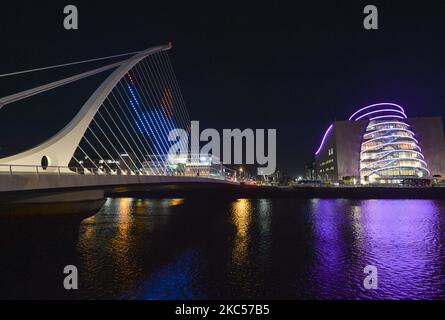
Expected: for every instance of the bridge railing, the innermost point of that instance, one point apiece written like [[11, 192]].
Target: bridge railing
[[220, 172], [18, 169]]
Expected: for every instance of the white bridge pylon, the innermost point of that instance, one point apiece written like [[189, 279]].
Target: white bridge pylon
[[138, 121]]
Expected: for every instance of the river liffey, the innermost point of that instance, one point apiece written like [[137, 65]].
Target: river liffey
[[224, 249]]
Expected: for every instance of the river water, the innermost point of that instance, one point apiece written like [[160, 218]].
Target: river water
[[224, 249]]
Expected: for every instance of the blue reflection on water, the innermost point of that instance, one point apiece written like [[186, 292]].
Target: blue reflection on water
[[175, 281]]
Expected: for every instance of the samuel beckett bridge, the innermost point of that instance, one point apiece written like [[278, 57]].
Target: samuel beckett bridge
[[118, 139]]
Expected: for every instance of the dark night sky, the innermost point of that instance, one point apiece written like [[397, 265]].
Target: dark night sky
[[293, 68]]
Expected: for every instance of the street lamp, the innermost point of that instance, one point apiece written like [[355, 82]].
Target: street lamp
[[240, 172]]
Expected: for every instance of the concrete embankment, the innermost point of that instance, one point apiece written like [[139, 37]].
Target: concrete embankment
[[75, 201], [244, 191]]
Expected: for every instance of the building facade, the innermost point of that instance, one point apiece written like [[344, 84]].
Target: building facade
[[380, 144]]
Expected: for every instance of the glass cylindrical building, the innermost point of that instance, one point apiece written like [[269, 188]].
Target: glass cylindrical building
[[389, 151]]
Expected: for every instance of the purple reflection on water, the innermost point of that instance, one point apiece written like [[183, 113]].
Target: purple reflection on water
[[330, 249], [402, 238]]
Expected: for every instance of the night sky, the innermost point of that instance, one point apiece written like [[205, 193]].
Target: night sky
[[294, 68]]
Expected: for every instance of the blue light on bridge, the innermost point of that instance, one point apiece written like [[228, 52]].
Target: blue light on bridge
[[158, 123]]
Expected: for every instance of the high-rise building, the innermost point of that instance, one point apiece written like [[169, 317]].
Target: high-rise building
[[380, 144], [309, 171]]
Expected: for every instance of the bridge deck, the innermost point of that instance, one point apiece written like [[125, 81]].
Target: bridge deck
[[31, 182]]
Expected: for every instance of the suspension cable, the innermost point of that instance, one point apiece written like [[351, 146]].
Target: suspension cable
[[67, 64]]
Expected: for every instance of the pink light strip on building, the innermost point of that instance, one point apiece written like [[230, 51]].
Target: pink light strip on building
[[380, 110], [399, 167], [392, 151], [390, 129], [376, 105], [324, 138], [393, 143], [391, 160], [392, 136]]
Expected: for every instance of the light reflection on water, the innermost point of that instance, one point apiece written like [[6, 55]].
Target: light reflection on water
[[112, 244], [402, 238], [241, 218], [246, 249]]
